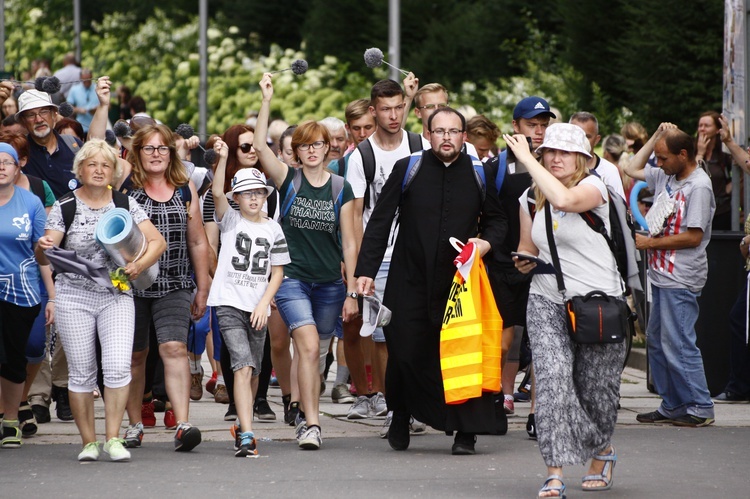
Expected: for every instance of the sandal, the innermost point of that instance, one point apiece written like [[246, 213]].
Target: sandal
[[608, 472], [560, 489]]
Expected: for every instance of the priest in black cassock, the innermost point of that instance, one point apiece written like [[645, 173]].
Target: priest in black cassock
[[444, 199]]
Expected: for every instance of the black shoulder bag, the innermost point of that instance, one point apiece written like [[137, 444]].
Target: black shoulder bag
[[594, 318]]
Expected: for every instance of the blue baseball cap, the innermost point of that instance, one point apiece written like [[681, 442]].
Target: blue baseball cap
[[8, 149], [532, 106]]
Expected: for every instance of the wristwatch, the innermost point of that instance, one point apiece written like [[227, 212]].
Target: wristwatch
[[353, 294]]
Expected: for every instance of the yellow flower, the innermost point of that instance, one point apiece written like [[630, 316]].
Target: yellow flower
[[120, 280]]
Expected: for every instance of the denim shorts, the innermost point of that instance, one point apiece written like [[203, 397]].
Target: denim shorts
[[311, 304], [380, 279], [244, 343]]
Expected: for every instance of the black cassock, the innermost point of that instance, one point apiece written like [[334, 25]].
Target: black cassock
[[441, 202]]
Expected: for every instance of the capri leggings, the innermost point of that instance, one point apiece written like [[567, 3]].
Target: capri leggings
[[83, 311], [15, 325]]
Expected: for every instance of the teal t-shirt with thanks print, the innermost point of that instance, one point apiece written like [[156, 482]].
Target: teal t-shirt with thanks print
[[311, 228]]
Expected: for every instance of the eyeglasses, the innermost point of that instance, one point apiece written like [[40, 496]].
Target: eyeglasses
[[246, 148], [258, 193], [7, 164], [432, 106], [163, 150], [44, 114], [318, 144], [453, 132]]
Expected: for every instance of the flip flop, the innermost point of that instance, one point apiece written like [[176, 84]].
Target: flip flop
[[608, 472]]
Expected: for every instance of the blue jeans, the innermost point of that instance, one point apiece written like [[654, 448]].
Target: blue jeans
[[675, 360], [311, 304]]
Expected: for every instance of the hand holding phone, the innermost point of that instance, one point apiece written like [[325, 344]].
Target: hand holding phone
[[511, 158]]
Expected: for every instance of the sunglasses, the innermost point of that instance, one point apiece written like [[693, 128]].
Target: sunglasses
[[246, 148]]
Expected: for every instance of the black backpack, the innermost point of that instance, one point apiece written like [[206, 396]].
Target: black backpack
[[368, 160], [68, 208]]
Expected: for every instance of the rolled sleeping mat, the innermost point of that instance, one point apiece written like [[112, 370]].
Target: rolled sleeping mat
[[124, 242]]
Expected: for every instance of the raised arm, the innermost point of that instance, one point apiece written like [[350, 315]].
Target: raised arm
[[577, 199], [411, 85], [637, 164], [273, 167], [221, 205], [98, 127], [739, 155]]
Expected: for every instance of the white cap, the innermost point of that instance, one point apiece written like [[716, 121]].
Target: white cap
[[248, 179], [566, 137], [374, 315], [33, 99]]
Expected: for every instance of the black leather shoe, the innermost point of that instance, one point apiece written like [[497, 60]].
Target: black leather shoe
[[398, 433], [463, 444]]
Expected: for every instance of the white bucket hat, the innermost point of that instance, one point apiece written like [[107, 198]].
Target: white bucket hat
[[248, 179], [33, 99], [566, 137]]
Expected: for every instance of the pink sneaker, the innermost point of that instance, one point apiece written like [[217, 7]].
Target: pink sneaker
[[508, 405]]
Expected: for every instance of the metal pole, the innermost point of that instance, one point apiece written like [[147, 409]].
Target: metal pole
[[2, 36], [203, 88], [394, 38], [77, 28]]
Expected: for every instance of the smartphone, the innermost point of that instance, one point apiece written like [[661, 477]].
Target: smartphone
[[511, 158], [542, 267]]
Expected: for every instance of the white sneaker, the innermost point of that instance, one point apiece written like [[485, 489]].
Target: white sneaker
[[386, 425], [310, 439], [115, 449], [378, 408], [90, 452], [416, 426], [360, 409]]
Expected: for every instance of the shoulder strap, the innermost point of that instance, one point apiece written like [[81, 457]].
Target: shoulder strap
[[341, 164], [531, 203], [71, 142], [121, 200], [479, 176], [187, 197], [415, 162], [368, 165], [337, 191], [36, 186], [553, 251], [291, 192], [501, 170], [68, 210], [415, 141]]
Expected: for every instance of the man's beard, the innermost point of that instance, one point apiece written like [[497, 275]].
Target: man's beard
[[42, 135], [447, 157]]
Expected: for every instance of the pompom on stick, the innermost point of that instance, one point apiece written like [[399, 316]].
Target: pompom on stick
[[65, 110], [184, 130], [109, 138], [299, 67], [39, 83], [122, 129], [374, 58], [51, 85], [210, 157]]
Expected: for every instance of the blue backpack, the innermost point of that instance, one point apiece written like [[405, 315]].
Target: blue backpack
[[337, 190], [415, 162]]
